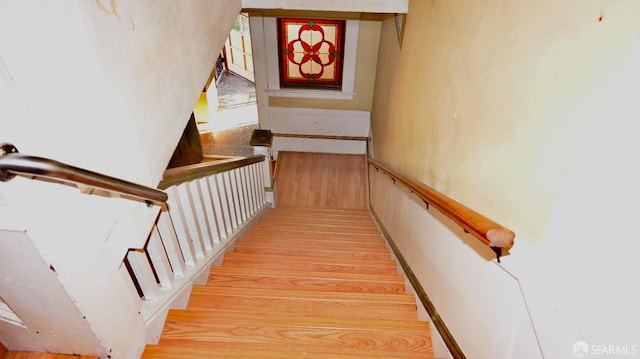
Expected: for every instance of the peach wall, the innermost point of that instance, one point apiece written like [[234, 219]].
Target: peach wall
[[525, 111]]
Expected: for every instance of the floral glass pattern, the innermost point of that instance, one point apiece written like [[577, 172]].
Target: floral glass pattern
[[311, 52]]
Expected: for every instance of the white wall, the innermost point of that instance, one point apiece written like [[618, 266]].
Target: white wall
[[103, 85], [107, 86], [480, 302], [316, 122]]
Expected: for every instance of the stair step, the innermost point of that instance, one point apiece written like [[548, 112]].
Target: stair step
[[319, 219], [334, 230], [324, 212], [207, 350], [309, 253], [332, 260], [394, 278], [364, 222], [256, 261], [252, 241], [265, 233], [206, 317], [305, 295], [311, 281], [312, 246], [254, 303], [349, 336]]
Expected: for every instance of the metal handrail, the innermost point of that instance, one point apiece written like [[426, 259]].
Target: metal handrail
[[13, 163]]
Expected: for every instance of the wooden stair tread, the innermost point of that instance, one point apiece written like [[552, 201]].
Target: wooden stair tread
[[316, 285], [266, 234], [177, 349], [302, 307], [356, 277], [290, 302], [388, 263], [333, 221], [302, 338], [313, 245], [306, 266], [311, 253], [336, 334], [346, 231], [283, 209], [304, 295], [208, 317]]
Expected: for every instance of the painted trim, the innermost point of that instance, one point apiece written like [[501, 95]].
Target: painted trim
[[303, 93], [319, 130], [371, 6], [311, 121], [324, 137]]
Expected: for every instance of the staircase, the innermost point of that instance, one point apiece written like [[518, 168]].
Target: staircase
[[313, 278], [303, 283]]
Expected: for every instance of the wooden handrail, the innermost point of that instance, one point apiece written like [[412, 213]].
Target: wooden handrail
[[177, 175], [481, 227]]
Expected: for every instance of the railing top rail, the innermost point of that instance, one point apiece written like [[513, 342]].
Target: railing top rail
[[13, 163], [479, 226], [177, 175]]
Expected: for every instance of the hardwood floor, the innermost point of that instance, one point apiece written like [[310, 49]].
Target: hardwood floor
[[4, 354], [321, 180], [312, 283], [35, 355]]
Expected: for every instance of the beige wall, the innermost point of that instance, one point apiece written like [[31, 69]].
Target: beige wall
[[526, 111], [367, 56]]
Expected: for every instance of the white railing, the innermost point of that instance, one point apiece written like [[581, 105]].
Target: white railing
[[200, 222]]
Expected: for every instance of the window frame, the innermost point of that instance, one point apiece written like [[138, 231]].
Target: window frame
[[348, 69]]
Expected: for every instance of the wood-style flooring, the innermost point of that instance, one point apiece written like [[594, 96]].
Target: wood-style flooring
[[321, 180]]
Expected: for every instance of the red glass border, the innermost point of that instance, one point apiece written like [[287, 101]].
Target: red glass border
[[284, 44]]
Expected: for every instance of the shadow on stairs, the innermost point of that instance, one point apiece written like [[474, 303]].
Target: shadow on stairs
[[303, 283]]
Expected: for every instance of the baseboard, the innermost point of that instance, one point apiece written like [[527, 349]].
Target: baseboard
[[420, 293]]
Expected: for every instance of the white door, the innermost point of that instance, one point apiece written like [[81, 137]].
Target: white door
[[237, 49]]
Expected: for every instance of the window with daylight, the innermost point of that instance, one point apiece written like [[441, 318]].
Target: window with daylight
[[311, 53]]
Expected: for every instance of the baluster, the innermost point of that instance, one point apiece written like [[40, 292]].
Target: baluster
[[256, 189], [198, 215], [209, 215], [159, 259], [232, 195], [263, 194], [143, 273], [187, 218], [237, 175], [251, 189], [218, 180], [179, 254], [216, 202], [245, 190]]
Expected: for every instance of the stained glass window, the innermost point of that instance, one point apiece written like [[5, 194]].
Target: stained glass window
[[311, 52]]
